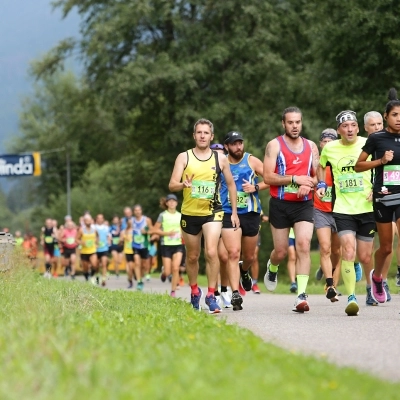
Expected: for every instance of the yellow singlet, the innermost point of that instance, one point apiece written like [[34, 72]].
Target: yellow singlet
[[128, 243], [202, 198], [88, 241]]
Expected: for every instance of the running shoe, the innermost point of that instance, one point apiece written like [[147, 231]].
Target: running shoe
[[140, 286], [386, 287], [293, 287], [245, 280], [181, 282], [73, 277], [169, 278], [397, 279], [331, 293], [270, 278], [213, 307], [352, 306], [301, 304], [319, 274], [369, 301], [195, 300], [97, 280], [55, 275], [255, 289], [147, 277], [93, 280], [377, 291], [358, 270], [163, 277], [130, 284], [172, 293], [242, 291], [237, 302], [226, 300], [103, 281]]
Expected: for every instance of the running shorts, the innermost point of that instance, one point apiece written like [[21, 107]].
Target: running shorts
[[143, 253], [284, 214], [249, 222], [194, 224], [384, 213], [86, 257], [324, 220], [361, 225], [68, 252], [169, 251]]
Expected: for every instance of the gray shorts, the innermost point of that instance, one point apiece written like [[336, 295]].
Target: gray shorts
[[324, 220]]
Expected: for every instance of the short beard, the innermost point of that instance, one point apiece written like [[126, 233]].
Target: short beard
[[235, 156], [291, 136]]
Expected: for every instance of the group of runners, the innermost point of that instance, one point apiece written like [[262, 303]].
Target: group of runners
[[94, 241], [347, 193]]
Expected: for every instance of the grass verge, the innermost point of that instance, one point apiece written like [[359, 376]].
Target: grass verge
[[69, 340]]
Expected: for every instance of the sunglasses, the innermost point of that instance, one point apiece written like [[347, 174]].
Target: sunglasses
[[217, 146]]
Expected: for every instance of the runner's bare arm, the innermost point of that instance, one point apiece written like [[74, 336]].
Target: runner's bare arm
[[315, 160], [175, 184], [226, 170], [321, 178], [258, 168], [363, 165]]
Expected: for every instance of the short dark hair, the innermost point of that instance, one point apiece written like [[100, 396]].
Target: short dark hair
[[291, 110]]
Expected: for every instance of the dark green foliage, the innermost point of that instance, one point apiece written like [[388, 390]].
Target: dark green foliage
[[152, 68]]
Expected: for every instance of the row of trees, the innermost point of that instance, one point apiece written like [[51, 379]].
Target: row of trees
[[152, 68]]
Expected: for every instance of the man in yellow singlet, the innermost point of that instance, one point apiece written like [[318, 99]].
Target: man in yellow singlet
[[197, 172]]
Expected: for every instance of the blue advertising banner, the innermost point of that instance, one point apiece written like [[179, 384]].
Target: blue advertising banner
[[20, 165]]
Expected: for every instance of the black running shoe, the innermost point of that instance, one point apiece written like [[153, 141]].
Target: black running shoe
[[245, 280], [237, 301]]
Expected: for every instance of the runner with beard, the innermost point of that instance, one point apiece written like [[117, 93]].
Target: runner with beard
[[245, 169], [290, 164]]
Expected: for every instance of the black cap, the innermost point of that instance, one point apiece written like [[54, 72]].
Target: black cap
[[232, 137]]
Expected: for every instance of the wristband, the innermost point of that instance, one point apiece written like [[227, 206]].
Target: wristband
[[322, 185], [257, 188], [294, 179]]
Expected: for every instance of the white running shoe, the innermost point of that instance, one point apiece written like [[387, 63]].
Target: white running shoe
[[270, 278], [301, 304], [226, 298]]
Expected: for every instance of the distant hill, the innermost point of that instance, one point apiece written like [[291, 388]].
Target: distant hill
[[28, 29]]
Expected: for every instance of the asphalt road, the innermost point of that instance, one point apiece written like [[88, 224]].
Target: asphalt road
[[369, 342]]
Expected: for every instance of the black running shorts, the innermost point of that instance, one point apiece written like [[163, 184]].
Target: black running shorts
[[384, 213], [86, 257], [68, 252], [249, 222], [169, 251], [362, 225], [284, 214], [194, 224], [143, 253], [129, 257]]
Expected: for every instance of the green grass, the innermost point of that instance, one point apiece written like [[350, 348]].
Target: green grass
[[69, 340]]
